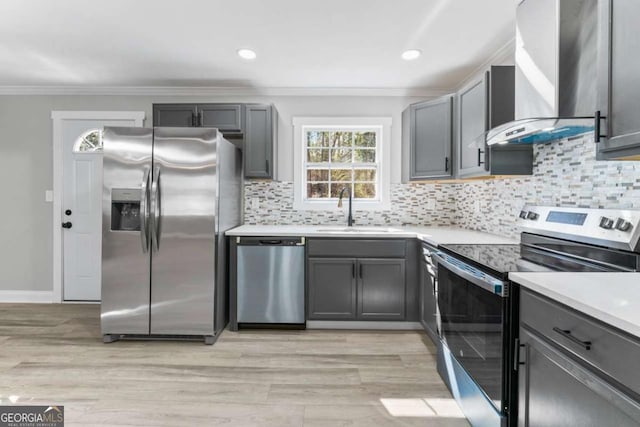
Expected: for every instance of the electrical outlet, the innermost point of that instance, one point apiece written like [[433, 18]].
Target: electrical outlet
[[48, 196], [431, 204], [255, 203]]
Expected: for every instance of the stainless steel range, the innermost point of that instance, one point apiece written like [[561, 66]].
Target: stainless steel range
[[474, 307]]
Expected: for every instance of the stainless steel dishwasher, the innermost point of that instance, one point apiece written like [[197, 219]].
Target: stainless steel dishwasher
[[270, 281]]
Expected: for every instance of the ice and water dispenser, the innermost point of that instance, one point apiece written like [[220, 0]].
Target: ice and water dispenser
[[125, 209]]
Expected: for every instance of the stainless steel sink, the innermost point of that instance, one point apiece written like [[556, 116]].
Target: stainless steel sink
[[359, 230]]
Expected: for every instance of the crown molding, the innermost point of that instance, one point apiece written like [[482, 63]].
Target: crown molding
[[219, 91], [503, 56]]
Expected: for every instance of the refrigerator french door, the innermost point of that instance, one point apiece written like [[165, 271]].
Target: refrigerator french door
[[163, 227]]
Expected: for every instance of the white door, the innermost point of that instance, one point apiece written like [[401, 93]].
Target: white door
[[82, 207]]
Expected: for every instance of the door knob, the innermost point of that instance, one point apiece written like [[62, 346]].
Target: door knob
[[67, 212], [66, 225]]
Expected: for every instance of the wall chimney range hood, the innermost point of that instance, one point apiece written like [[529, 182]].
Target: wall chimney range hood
[[555, 89]]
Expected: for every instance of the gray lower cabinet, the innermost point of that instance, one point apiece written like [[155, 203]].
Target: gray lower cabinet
[[483, 105], [353, 288], [572, 370], [381, 289], [258, 141], [427, 140], [618, 89], [332, 288]]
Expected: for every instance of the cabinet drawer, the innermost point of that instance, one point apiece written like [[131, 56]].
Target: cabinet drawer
[[610, 351], [357, 248]]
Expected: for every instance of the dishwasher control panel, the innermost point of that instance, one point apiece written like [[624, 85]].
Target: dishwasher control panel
[[270, 241]]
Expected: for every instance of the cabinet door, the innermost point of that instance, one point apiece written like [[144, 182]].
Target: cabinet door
[[618, 89], [226, 117], [431, 139], [174, 115], [474, 122], [554, 390], [332, 288], [258, 142], [381, 289]]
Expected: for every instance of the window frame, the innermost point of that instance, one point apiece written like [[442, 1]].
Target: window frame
[[380, 125], [78, 144]]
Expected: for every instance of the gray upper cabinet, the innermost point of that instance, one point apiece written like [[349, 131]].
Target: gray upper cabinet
[[381, 289], [226, 117], [258, 141], [427, 135], [483, 105], [175, 115], [474, 121], [618, 89], [331, 288], [253, 124]]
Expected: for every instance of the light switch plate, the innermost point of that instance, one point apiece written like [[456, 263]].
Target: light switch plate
[[48, 196], [431, 204]]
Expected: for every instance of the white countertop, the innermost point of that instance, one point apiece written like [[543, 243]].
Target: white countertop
[[433, 235], [613, 298]]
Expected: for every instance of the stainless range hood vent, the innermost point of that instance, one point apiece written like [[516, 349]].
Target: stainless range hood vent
[[541, 130], [555, 88]]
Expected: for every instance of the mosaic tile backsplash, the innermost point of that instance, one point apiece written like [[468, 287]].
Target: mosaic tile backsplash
[[408, 206], [566, 173]]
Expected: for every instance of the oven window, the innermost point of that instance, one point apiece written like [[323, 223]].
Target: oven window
[[472, 327]]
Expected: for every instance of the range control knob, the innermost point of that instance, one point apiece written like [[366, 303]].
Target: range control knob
[[532, 216], [623, 225], [523, 214], [606, 223]]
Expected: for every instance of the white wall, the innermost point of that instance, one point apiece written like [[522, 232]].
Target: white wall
[[26, 162]]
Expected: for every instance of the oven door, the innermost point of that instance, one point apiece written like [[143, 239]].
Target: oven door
[[473, 308]]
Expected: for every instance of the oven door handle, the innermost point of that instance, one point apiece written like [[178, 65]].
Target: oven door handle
[[495, 286]]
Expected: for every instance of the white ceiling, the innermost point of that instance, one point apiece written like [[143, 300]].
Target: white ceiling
[[300, 43]]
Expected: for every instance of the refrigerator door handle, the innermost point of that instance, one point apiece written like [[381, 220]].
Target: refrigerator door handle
[[144, 211], [155, 204]]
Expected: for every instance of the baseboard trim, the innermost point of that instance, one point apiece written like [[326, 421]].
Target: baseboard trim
[[371, 325], [26, 296]]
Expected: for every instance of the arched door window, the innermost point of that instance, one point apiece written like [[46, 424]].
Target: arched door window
[[89, 142]]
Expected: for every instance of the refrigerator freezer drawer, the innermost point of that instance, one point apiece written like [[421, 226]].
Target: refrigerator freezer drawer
[[270, 284]]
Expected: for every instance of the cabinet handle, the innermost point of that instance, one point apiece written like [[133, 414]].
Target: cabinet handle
[[193, 120], [480, 153], [266, 163], [200, 118], [446, 164], [516, 354], [353, 270], [567, 334], [598, 126]]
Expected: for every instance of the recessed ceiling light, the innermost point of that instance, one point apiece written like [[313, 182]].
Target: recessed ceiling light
[[246, 54], [411, 54]]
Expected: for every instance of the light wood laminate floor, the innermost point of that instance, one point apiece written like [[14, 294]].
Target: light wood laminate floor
[[53, 354]]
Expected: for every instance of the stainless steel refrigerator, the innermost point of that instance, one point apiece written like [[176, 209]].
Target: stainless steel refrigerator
[[169, 195]]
